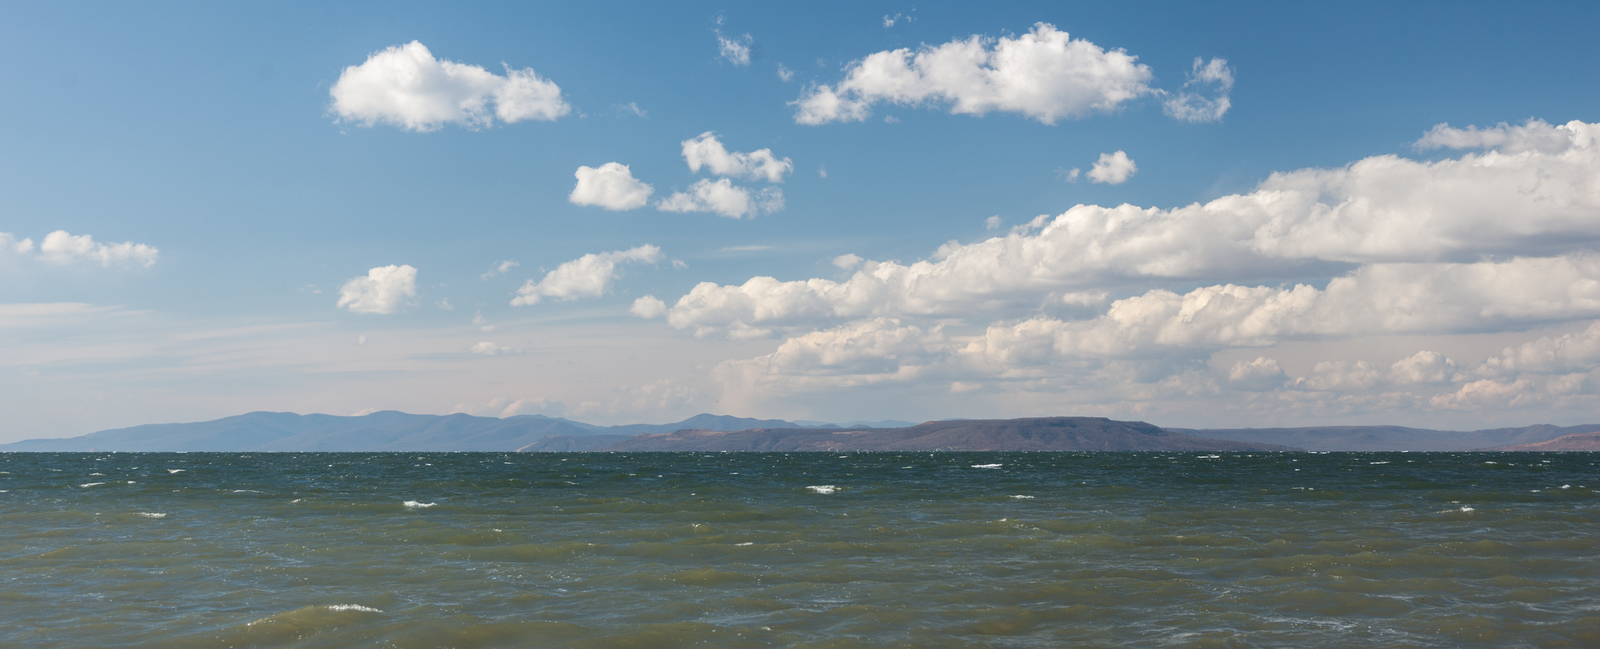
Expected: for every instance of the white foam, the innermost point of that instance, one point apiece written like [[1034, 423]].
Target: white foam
[[1208, 457], [86, 485], [1384, 462], [97, 474], [823, 488], [1566, 486], [245, 491], [412, 504], [740, 545], [176, 470], [353, 607], [153, 514], [987, 466], [1022, 497], [1467, 509]]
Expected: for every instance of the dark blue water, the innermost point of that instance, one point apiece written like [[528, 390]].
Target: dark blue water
[[800, 550]]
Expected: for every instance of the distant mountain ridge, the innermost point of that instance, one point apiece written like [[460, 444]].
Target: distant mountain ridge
[[388, 430], [1031, 434], [397, 431], [1392, 438]]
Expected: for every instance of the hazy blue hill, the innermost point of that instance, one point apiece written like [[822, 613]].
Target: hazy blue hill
[[1391, 438], [388, 430], [1031, 434], [703, 422]]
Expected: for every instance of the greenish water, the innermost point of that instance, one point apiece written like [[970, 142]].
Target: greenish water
[[800, 550]]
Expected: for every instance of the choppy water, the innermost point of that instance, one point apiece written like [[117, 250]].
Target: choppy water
[[800, 550]]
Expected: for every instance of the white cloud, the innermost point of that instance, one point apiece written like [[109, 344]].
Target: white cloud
[[1042, 74], [490, 349], [648, 307], [62, 247], [632, 108], [1422, 368], [1340, 376], [992, 223], [1533, 135], [384, 290], [1259, 375], [857, 353], [1069, 175], [1112, 168], [706, 151], [722, 197], [499, 269], [1559, 355], [611, 186], [847, 261], [588, 276], [405, 86], [1195, 108], [734, 50], [1383, 209], [785, 74]]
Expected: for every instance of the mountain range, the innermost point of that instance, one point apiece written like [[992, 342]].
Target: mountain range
[[398, 431]]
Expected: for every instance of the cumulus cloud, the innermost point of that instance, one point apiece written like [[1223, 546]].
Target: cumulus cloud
[[406, 87], [723, 198], [1194, 107], [857, 353], [1043, 74], [1383, 210], [1112, 168], [1424, 367], [611, 186], [588, 276], [708, 152], [1573, 352], [1533, 135], [648, 307], [384, 290], [847, 261], [734, 50], [1259, 375], [61, 247]]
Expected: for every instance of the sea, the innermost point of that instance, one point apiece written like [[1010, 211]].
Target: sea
[[823, 550]]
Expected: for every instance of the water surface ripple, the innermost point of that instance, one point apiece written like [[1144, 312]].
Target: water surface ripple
[[423, 550]]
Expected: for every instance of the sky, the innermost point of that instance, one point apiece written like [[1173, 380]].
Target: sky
[[1192, 214]]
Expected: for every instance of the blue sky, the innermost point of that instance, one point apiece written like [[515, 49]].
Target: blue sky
[[210, 139]]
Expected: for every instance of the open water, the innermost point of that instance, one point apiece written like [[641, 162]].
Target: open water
[[424, 550]]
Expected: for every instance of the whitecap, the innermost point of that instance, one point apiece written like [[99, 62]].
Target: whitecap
[[176, 470], [1022, 497], [153, 514], [1384, 462], [1208, 457], [86, 485], [412, 504], [740, 545], [1467, 509], [353, 607], [823, 488], [1566, 486], [245, 491], [987, 466]]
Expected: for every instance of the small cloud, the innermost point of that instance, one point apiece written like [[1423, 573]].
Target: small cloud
[[499, 269], [483, 325], [822, 171], [384, 290], [1069, 175], [648, 307], [445, 304], [992, 223], [889, 21], [847, 261], [784, 73], [588, 276], [705, 150], [632, 108], [363, 412], [723, 198], [679, 264], [611, 186], [734, 50], [744, 248], [406, 87], [1194, 108], [361, 339], [312, 288], [491, 349], [1113, 168]]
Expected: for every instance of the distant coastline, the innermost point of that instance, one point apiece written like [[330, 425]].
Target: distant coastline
[[398, 431]]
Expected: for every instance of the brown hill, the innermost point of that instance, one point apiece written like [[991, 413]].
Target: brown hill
[[1577, 442], [1035, 434]]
